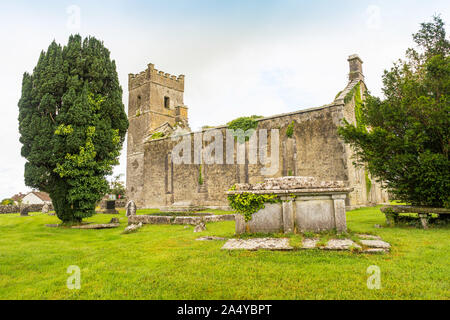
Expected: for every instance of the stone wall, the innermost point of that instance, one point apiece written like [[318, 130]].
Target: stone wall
[[16, 209], [9, 209], [315, 149]]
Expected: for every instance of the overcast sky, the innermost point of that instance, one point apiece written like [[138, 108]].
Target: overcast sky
[[239, 57]]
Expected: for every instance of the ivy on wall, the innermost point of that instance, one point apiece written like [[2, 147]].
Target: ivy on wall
[[356, 93], [200, 177], [290, 129], [368, 182], [245, 124], [249, 203]]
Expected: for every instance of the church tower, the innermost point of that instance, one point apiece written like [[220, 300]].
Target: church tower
[[155, 104]]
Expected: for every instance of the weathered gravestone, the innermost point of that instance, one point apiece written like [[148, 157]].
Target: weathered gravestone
[[131, 208], [200, 227], [110, 207], [114, 220], [45, 208], [24, 210]]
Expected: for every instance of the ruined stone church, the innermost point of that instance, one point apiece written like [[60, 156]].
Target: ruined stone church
[[156, 111]]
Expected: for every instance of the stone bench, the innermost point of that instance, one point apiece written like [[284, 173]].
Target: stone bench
[[392, 213]]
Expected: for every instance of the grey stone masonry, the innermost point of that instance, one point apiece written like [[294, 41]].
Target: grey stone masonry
[[307, 204], [182, 220]]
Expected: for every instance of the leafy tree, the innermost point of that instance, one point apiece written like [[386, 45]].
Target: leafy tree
[[404, 141], [7, 202], [72, 125], [117, 187]]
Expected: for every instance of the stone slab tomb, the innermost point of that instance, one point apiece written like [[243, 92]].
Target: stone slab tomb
[[307, 204]]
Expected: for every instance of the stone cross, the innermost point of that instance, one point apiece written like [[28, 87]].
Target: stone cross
[[131, 208]]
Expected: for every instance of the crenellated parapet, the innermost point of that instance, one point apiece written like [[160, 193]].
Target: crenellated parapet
[[156, 76]]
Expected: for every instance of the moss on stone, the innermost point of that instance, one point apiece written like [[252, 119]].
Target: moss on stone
[[157, 135]]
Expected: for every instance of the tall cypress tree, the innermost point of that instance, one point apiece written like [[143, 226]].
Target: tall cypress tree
[[72, 125]]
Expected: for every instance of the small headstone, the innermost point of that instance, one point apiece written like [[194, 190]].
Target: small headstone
[[110, 207], [200, 227], [24, 211], [131, 208], [114, 220], [45, 208]]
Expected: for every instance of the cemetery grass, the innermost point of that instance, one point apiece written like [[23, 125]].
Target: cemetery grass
[[166, 262]]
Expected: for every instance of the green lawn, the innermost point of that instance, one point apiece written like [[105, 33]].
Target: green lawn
[[166, 262]]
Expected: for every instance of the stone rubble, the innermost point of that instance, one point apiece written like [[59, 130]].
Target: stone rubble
[[132, 228]]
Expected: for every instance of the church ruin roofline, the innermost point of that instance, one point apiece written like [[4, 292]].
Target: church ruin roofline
[[355, 76], [259, 119]]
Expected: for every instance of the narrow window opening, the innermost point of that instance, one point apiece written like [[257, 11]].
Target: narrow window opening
[[167, 102]]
